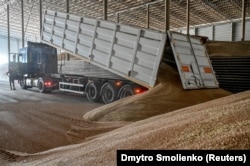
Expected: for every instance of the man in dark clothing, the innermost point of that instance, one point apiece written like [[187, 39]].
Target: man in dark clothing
[[11, 75]]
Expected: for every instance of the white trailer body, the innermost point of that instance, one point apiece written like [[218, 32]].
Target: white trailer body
[[129, 52]]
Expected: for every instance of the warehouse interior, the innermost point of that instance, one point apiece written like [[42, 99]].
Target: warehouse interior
[[224, 21], [150, 14], [164, 117]]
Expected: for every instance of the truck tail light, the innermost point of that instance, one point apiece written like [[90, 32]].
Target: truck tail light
[[48, 83], [138, 90], [118, 83]]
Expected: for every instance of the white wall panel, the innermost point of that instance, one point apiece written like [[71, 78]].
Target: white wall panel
[[228, 31]]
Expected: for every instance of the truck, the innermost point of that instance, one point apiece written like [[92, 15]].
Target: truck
[[38, 66], [129, 56]]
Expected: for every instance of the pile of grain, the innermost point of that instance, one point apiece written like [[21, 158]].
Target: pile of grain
[[167, 96], [219, 124], [223, 48], [223, 123]]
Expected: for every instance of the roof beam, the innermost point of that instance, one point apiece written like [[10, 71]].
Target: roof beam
[[216, 8], [195, 16]]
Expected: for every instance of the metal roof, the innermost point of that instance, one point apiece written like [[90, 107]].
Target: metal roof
[[131, 12]]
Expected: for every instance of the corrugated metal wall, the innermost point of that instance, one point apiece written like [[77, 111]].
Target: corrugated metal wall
[[237, 28], [206, 31], [229, 31], [247, 32], [191, 31], [223, 32]]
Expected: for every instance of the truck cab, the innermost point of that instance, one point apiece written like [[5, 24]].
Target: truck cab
[[34, 64], [37, 59]]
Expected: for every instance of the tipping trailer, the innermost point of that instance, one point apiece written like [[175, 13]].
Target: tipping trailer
[[129, 52], [130, 55]]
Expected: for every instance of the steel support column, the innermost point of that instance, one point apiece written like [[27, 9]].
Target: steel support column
[[67, 6], [22, 20], [105, 9], [243, 19], [8, 26], [167, 15], [148, 16], [188, 15], [117, 17], [67, 10], [40, 14]]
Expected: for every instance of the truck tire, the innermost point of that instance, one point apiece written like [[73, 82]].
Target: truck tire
[[125, 91], [41, 86], [109, 93], [22, 83], [93, 91]]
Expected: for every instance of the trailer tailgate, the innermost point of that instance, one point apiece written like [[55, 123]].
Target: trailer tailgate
[[193, 63]]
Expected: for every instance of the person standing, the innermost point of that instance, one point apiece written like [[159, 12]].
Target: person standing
[[11, 75]]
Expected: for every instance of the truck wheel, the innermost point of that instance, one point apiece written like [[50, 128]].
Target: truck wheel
[[125, 91], [41, 86], [109, 93], [22, 84], [93, 92]]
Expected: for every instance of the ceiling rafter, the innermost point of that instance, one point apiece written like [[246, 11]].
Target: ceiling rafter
[[216, 6]]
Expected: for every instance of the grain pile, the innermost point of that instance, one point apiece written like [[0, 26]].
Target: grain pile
[[165, 117], [167, 96], [219, 124], [223, 48], [223, 123]]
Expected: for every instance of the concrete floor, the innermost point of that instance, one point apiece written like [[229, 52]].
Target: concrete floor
[[31, 121]]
